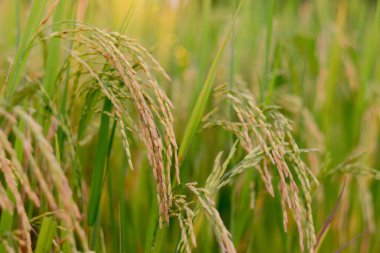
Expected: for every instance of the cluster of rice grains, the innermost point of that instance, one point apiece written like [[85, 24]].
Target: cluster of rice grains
[[123, 71], [40, 157], [265, 134]]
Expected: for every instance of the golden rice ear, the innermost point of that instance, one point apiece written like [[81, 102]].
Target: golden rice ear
[[266, 136], [185, 215], [154, 124], [6, 167], [133, 67], [208, 206], [11, 169], [58, 177], [5, 202]]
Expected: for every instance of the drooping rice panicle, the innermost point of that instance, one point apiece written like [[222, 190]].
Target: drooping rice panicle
[[208, 206], [265, 134]]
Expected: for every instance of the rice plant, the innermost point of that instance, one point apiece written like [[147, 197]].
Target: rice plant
[[189, 126]]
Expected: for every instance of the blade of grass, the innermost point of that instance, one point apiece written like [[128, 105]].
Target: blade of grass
[[114, 231], [264, 83], [46, 235], [53, 51], [52, 63], [326, 226], [128, 17], [18, 26], [204, 49], [110, 196], [98, 169], [19, 62], [200, 105]]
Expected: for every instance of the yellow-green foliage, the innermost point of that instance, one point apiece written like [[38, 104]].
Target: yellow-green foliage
[[189, 126]]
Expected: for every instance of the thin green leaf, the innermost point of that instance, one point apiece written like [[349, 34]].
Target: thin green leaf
[[326, 226], [54, 52], [19, 62], [98, 169], [46, 235], [200, 105]]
